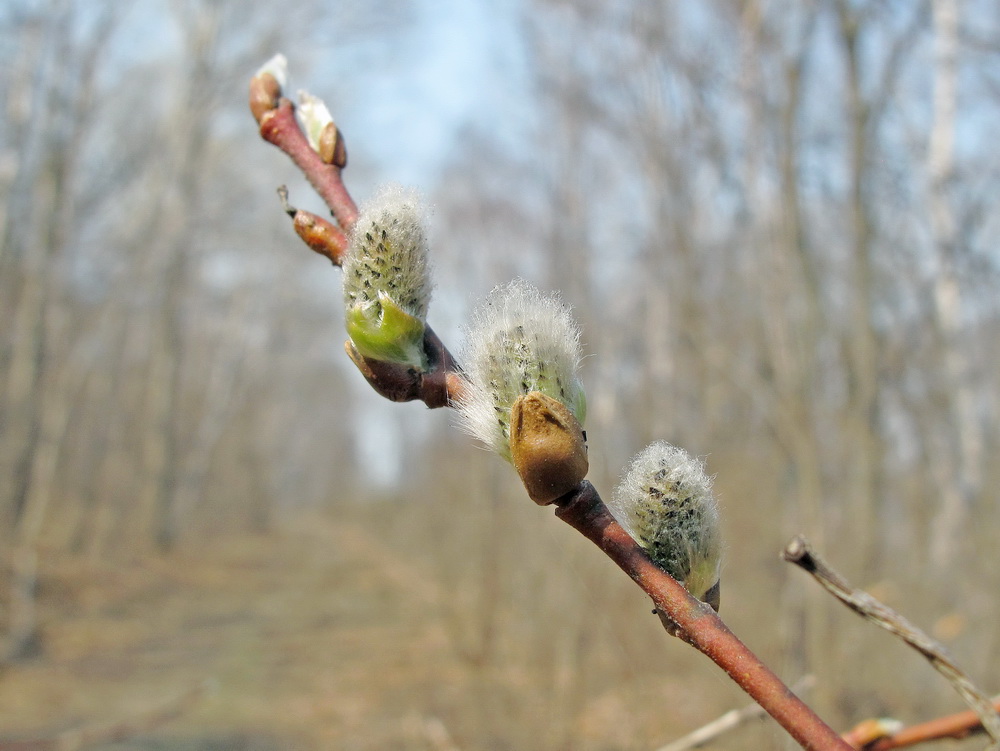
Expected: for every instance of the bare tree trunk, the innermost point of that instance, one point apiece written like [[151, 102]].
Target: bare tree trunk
[[58, 379], [860, 345], [957, 463], [161, 451]]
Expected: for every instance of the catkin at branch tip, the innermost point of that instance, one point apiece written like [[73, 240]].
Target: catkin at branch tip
[[517, 341], [665, 502]]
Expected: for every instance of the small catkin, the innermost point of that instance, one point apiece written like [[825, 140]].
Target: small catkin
[[389, 253], [517, 342], [665, 503], [387, 278]]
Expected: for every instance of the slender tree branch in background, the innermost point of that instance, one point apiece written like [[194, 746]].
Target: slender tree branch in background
[[801, 554], [728, 722], [869, 731], [582, 508]]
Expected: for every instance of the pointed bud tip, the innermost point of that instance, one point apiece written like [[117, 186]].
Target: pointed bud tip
[[266, 86], [315, 118], [277, 68]]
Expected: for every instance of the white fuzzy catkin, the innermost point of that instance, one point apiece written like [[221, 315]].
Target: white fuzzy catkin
[[388, 253], [517, 341], [665, 503]]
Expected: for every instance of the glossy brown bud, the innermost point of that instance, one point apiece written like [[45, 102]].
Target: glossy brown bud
[[547, 447], [332, 149], [265, 93]]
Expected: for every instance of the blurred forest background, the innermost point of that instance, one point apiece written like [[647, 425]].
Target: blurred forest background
[[776, 222]]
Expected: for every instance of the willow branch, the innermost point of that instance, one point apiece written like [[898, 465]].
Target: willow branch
[[696, 623], [279, 127], [322, 236], [276, 117], [683, 615], [801, 554]]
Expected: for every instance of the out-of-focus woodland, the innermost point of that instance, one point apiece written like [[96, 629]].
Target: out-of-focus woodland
[[776, 223]]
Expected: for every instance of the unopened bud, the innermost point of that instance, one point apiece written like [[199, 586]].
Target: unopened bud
[[266, 86], [317, 122], [547, 447], [277, 68]]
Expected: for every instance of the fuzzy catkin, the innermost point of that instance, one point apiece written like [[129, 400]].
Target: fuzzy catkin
[[665, 503], [517, 341], [388, 253]]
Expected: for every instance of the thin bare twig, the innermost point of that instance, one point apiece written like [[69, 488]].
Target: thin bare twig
[[799, 552], [727, 722], [279, 126], [867, 732]]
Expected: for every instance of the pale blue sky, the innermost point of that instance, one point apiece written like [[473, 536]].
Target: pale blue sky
[[419, 83]]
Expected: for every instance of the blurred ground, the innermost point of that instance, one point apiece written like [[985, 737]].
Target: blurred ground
[[314, 637], [299, 633]]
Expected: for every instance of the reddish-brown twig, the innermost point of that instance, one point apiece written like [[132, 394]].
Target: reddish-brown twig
[[728, 722], [582, 508], [276, 117], [867, 732], [696, 623], [952, 726]]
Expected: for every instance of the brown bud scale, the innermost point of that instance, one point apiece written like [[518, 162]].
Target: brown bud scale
[[547, 447], [265, 93]]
